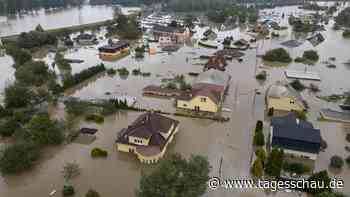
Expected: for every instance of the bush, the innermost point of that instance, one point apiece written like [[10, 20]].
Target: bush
[[111, 71], [346, 33], [82, 76], [270, 112], [92, 193], [18, 157], [71, 170], [277, 55], [123, 71], [97, 152], [259, 126], [95, 118], [297, 168], [336, 162], [311, 55], [297, 85], [347, 160], [261, 76], [68, 190], [300, 115]]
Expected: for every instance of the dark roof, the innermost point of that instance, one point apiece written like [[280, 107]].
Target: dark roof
[[114, 46], [85, 36], [149, 126], [293, 134], [168, 29], [290, 121]]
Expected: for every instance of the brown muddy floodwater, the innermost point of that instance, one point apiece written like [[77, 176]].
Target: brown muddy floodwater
[[119, 174]]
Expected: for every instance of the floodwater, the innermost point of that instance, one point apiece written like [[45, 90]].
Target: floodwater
[[52, 19], [230, 142]]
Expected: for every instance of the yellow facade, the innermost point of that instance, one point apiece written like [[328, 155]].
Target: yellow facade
[[284, 104], [201, 103], [114, 56]]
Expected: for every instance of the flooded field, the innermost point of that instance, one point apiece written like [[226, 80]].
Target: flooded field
[[119, 174], [52, 19]]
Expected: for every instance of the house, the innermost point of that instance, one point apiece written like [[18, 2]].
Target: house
[[282, 99], [210, 34], [207, 92], [114, 50], [296, 137], [217, 62], [86, 39], [148, 137], [177, 35]]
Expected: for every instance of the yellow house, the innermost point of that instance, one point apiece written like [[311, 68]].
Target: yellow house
[[207, 93], [114, 51], [281, 99], [148, 137]]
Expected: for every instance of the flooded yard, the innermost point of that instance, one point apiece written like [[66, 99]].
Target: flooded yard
[[119, 173]]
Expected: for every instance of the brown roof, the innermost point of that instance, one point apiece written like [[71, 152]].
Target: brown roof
[[217, 62], [214, 92], [149, 126]]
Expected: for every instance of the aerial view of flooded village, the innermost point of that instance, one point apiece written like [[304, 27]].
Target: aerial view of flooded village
[[174, 98]]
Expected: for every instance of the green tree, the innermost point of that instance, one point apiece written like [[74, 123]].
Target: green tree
[[8, 127], [311, 55], [18, 157], [92, 193], [261, 154], [17, 96], [257, 168], [259, 138], [322, 177], [68, 190], [44, 131], [33, 73], [336, 162], [277, 55], [176, 176], [274, 162]]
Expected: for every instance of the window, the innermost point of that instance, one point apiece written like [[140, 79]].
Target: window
[[292, 102], [185, 105], [203, 99], [196, 108]]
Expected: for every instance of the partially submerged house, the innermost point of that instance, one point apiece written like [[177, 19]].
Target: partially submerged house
[[217, 62], [86, 39], [176, 34], [114, 50], [207, 92], [281, 100], [148, 137], [296, 137]]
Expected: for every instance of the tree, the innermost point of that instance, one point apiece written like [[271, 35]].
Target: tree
[[71, 170], [336, 162], [17, 96], [44, 131], [176, 176], [259, 138], [257, 168], [261, 154], [20, 56], [321, 177], [274, 162], [33, 73], [277, 55], [92, 193], [259, 126], [18, 157], [311, 55], [8, 127]]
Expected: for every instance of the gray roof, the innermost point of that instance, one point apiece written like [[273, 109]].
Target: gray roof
[[214, 77]]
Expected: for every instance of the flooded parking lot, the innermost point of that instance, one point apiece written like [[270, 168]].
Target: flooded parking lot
[[230, 142]]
